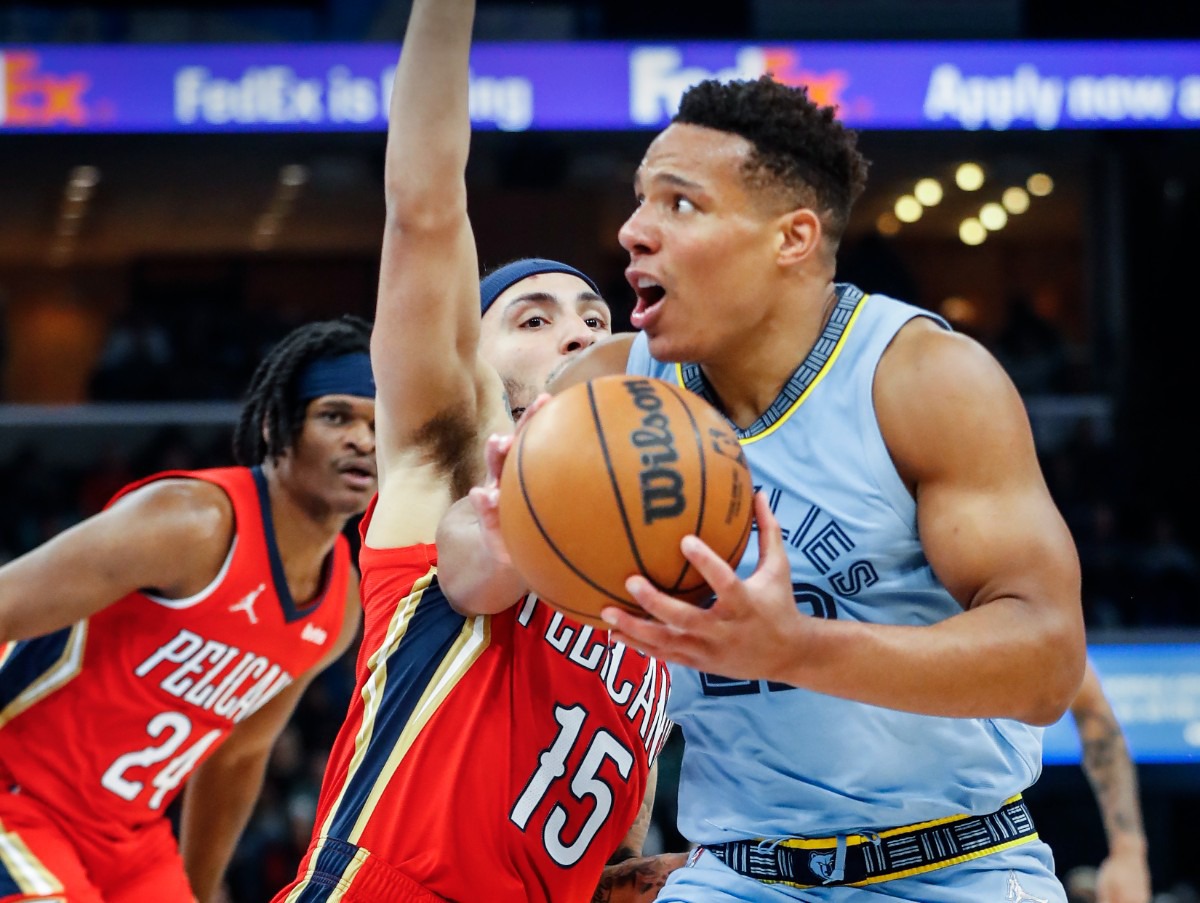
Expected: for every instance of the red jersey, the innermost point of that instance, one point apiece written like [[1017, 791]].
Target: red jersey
[[103, 721], [499, 758]]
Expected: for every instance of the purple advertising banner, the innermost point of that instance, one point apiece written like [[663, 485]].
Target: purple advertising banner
[[600, 86]]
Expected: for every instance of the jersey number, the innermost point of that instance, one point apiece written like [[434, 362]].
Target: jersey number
[[169, 776], [552, 765]]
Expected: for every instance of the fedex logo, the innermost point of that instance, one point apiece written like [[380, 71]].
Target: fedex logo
[[658, 78], [31, 97]]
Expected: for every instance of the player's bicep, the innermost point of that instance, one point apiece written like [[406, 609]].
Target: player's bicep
[[135, 544], [958, 432]]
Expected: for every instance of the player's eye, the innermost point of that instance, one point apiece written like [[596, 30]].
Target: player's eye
[[681, 204], [534, 322]]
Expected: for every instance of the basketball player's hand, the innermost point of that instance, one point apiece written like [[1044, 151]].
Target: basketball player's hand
[[485, 499], [1123, 878], [752, 624]]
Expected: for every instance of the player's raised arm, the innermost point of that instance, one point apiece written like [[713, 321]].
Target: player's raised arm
[[427, 320]]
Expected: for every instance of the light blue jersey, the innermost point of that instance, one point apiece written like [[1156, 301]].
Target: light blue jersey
[[764, 760]]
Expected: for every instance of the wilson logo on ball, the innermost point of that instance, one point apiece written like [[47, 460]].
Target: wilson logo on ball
[[606, 480], [662, 486]]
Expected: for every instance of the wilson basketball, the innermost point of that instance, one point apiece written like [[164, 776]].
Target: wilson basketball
[[605, 481]]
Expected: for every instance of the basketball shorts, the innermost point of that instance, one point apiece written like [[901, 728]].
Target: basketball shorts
[[336, 870], [1021, 874], [44, 859]]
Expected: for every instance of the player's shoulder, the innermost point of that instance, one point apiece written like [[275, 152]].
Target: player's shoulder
[[185, 507], [926, 356]]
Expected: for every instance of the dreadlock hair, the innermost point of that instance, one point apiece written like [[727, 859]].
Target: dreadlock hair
[[799, 146], [271, 405]]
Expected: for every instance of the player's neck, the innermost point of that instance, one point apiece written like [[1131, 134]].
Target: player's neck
[[305, 529], [747, 381]]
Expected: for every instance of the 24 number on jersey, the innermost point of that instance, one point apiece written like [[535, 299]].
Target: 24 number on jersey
[[585, 784], [176, 727]]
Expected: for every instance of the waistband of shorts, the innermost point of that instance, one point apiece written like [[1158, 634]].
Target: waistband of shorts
[[343, 871], [869, 858]]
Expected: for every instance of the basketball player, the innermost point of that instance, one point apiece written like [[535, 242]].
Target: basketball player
[[168, 638], [495, 751], [860, 702]]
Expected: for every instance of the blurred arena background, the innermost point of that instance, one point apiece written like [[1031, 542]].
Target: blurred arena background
[[156, 238]]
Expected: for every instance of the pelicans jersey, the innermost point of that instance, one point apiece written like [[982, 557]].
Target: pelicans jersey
[[767, 760], [103, 721], [499, 758]]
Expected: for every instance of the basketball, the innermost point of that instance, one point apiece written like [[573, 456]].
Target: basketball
[[605, 481]]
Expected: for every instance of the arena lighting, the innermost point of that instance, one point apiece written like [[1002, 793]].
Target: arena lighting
[[84, 176], [959, 310], [972, 232], [294, 174], [1015, 200], [1039, 184], [928, 192], [887, 224], [908, 209], [993, 216], [969, 177]]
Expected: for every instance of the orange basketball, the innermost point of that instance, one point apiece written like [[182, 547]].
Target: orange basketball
[[605, 481]]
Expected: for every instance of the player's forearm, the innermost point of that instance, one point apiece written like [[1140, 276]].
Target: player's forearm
[[1110, 771], [473, 579], [636, 880], [1005, 659], [216, 807], [429, 123]]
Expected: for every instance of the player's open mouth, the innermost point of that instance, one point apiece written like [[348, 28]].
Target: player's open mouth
[[650, 295]]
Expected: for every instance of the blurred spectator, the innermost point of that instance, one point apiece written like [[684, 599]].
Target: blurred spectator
[[136, 361]]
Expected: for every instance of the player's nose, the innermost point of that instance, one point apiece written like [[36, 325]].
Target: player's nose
[[637, 234]]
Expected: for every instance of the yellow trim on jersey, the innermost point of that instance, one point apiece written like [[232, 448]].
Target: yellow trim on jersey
[[853, 840], [833, 356], [473, 639], [63, 671], [921, 869], [24, 868]]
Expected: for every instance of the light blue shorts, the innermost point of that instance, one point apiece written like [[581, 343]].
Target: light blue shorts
[[1023, 874]]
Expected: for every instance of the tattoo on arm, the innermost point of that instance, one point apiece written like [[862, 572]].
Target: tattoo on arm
[[1109, 770], [636, 879]]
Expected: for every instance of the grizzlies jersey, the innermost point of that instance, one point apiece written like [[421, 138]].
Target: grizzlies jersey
[[770, 760], [498, 758], [103, 721]]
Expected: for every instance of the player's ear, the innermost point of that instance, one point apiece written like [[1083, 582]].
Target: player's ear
[[799, 236]]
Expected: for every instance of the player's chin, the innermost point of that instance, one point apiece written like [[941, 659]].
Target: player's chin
[[353, 500]]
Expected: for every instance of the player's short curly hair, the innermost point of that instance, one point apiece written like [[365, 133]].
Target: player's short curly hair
[[799, 146], [272, 403]]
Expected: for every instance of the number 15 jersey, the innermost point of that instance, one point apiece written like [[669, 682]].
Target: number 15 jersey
[[498, 758]]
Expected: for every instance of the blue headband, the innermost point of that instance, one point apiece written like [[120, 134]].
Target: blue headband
[[347, 374], [493, 285]]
